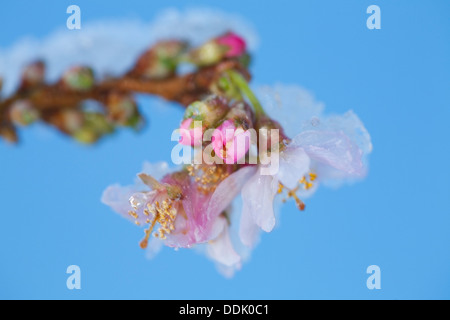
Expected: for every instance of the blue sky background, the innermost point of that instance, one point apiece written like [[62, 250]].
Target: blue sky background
[[396, 79]]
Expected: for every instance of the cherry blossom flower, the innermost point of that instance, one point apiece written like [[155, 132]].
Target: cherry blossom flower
[[189, 206], [327, 150]]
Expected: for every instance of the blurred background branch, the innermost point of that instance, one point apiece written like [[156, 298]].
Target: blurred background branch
[[85, 108]]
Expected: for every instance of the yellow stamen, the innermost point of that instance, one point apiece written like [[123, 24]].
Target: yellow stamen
[[305, 182]]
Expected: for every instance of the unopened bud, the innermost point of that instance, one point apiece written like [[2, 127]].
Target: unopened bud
[[231, 143], [98, 123], [67, 120], [33, 75], [122, 109], [228, 45], [86, 135], [241, 115], [23, 113], [209, 111], [191, 133], [235, 45], [79, 78], [266, 124], [160, 61]]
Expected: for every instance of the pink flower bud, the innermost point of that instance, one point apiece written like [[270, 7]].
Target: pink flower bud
[[230, 143], [236, 45], [191, 135]]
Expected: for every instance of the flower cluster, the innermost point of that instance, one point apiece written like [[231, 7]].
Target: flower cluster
[[245, 152]]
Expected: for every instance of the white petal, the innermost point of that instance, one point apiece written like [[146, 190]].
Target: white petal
[[294, 164], [248, 229], [221, 249], [117, 197], [350, 124], [333, 149], [228, 189], [257, 196], [290, 105], [154, 247]]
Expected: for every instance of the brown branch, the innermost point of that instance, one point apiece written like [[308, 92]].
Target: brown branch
[[49, 99]]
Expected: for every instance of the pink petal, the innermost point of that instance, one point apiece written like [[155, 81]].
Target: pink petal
[[190, 136], [202, 210]]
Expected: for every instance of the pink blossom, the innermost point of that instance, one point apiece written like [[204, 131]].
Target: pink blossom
[[190, 136], [188, 215], [230, 143], [236, 45]]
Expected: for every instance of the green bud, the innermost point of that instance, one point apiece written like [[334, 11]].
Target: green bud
[[86, 135], [22, 113], [209, 111], [79, 78], [122, 109], [98, 123], [208, 54], [160, 61]]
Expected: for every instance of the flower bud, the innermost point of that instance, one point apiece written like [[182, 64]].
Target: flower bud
[[33, 75], [98, 123], [23, 113], [228, 45], [264, 126], [231, 143], [242, 115], [191, 133], [86, 135], [209, 111], [122, 110], [231, 140], [208, 54], [73, 120], [160, 61], [67, 120], [78, 78], [235, 45]]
